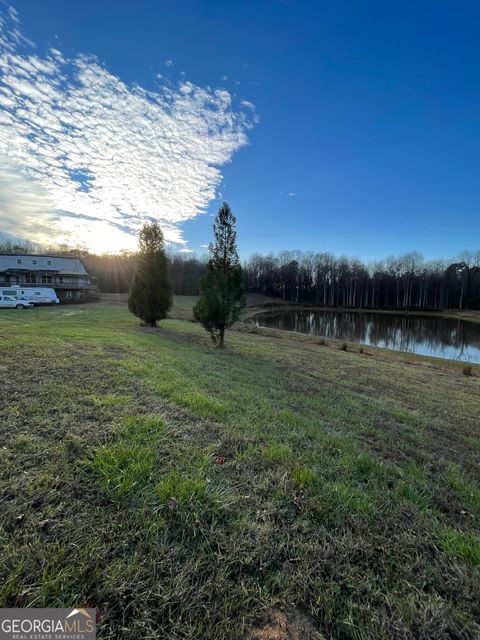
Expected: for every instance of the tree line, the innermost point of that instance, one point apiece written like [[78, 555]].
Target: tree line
[[403, 282], [115, 272], [397, 282]]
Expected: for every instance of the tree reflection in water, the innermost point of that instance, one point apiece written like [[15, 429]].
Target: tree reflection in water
[[434, 336]]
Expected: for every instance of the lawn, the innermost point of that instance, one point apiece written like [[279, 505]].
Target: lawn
[[280, 488]]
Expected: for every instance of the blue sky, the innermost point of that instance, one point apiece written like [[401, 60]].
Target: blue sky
[[366, 111]]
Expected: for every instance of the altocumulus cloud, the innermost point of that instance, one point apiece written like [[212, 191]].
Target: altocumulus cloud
[[86, 159]]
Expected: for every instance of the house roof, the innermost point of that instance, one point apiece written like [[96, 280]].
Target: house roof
[[32, 262]]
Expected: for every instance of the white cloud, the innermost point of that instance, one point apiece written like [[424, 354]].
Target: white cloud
[[86, 159], [291, 194], [168, 63]]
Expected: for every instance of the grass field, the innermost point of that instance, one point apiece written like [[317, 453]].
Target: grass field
[[279, 488]]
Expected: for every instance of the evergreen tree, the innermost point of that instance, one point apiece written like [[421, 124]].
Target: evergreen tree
[[151, 294], [222, 296]]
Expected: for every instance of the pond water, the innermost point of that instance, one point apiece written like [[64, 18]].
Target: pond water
[[433, 336]]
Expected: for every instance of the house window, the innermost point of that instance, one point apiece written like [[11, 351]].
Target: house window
[[49, 262], [60, 279], [34, 262], [46, 279], [30, 278], [19, 261]]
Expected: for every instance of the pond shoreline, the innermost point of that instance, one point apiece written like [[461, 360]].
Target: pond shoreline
[[440, 335], [468, 315]]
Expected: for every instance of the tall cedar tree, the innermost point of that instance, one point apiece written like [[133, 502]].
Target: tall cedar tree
[[222, 296], [151, 294]]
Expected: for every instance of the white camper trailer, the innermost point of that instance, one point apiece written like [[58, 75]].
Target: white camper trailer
[[36, 295]]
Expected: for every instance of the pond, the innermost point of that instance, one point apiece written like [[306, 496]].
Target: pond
[[436, 336]]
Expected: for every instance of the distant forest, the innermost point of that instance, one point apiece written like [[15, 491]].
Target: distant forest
[[403, 282]]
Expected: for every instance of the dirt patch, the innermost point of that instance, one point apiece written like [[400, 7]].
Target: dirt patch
[[280, 626]]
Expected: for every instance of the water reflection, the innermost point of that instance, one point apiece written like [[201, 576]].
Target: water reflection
[[434, 336]]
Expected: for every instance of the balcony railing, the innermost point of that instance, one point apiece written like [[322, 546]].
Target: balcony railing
[[53, 285], [69, 285]]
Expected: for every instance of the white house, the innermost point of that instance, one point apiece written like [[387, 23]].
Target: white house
[[67, 275]]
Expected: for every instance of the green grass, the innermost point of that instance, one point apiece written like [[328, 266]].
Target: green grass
[[189, 492], [465, 546], [468, 492], [125, 470]]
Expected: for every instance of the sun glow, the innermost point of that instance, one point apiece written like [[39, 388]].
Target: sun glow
[[102, 157]]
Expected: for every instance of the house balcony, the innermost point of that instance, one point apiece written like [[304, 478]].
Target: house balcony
[[69, 285], [8, 280]]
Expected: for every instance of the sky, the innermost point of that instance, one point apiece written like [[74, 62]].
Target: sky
[[349, 127]]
